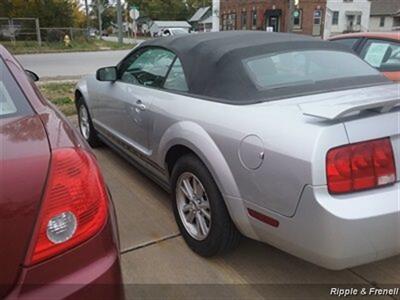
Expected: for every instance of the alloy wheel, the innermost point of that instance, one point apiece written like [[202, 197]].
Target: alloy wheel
[[84, 124], [193, 206]]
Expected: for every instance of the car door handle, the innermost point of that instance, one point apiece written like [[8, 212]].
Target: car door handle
[[140, 105]]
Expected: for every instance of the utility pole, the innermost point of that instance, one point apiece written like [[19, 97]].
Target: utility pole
[[39, 37], [215, 15], [119, 21], [87, 15], [99, 11]]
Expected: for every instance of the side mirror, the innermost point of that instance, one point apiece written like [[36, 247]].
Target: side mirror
[[32, 75], [107, 74]]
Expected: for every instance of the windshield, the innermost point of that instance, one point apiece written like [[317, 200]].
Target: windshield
[[296, 68]]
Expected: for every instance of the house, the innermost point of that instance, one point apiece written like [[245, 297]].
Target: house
[[273, 15], [385, 15], [202, 20], [157, 26], [206, 24], [343, 16]]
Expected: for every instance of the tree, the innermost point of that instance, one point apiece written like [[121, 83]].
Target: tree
[[108, 16], [78, 15], [68, 13], [194, 5], [52, 13], [5, 8], [162, 9]]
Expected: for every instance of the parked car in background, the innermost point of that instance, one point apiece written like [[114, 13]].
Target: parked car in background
[[260, 134], [58, 230], [173, 31], [92, 32], [380, 49]]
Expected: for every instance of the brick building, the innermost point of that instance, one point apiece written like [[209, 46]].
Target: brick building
[[273, 15]]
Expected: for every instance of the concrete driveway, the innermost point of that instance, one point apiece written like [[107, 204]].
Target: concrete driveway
[[157, 264]]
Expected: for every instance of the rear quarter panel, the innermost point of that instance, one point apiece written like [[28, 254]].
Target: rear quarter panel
[[215, 131], [24, 161]]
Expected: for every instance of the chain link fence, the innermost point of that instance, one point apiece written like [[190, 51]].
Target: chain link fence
[[14, 29], [57, 34], [28, 30]]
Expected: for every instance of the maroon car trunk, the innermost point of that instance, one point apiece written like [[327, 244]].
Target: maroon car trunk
[[24, 164], [31, 131]]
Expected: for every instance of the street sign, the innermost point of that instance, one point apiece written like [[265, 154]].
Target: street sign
[[134, 13]]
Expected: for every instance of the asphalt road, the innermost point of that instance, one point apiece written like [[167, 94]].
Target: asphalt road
[[69, 65], [125, 40]]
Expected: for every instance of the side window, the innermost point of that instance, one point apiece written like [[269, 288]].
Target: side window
[[348, 42], [12, 100], [383, 55], [148, 68], [176, 79]]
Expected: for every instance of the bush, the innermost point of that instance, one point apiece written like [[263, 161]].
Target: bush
[[54, 35]]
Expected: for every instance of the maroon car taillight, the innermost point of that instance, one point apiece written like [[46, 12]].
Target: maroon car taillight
[[360, 166], [75, 204]]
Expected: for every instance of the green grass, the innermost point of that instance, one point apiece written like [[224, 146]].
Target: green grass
[[28, 47], [60, 94]]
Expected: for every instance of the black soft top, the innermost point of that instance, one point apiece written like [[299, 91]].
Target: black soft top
[[213, 67]]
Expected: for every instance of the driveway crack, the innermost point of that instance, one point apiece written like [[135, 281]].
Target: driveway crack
[[371, 283], [149, 243]]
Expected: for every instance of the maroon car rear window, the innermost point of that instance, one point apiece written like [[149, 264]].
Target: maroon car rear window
[[12, 100]]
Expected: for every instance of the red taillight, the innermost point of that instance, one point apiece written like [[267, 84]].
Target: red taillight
[[75, 204], [360, 166]]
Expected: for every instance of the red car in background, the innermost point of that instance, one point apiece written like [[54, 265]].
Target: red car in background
[[58, 232], [379, 49]]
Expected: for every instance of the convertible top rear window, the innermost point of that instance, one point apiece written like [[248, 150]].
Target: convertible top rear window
[[296, 68]]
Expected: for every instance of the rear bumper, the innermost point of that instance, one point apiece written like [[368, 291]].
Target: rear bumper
[[90, 271], [100, 280], [337, 232]]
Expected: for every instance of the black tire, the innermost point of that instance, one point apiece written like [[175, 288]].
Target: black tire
[[223, 235], [92, 139]]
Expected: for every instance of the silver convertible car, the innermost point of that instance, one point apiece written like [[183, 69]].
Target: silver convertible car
[[283, 138]]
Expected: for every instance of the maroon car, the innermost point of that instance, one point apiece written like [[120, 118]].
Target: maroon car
[[58, 233]]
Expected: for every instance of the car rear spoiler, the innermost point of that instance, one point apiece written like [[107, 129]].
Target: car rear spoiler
[[342, 106]]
